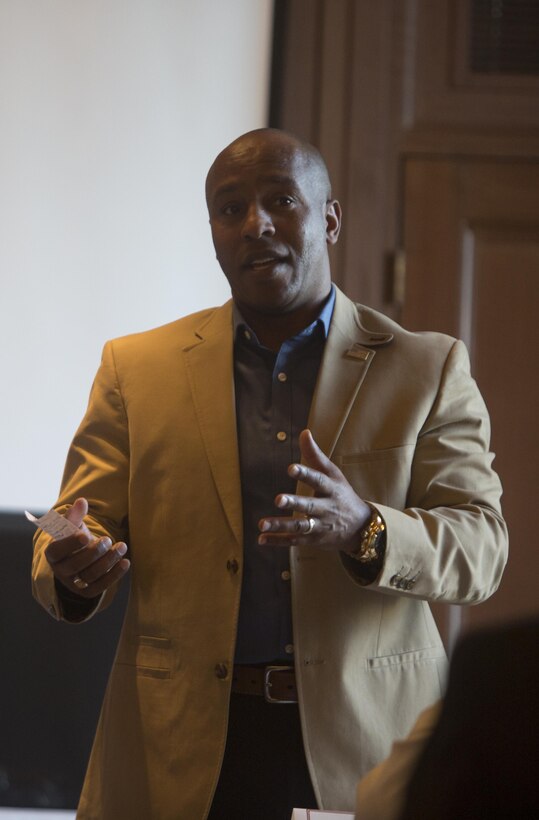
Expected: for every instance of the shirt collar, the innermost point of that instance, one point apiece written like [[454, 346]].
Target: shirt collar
[[323, 320]]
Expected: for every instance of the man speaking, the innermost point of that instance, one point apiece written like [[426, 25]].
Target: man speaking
[[289, 479]]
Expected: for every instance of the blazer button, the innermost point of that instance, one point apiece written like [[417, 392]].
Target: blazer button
[[232, 566], [221, 670]]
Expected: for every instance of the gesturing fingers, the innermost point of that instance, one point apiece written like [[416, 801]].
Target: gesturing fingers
[[331, 517], [57, 551], [312, 456], [285, 531], [102, 573], [318, 481], [88, 570], [316, 469]]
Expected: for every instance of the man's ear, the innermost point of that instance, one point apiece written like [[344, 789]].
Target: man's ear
[[333, 221]]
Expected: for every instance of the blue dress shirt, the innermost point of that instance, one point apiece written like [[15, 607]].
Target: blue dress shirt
[[273, 398]]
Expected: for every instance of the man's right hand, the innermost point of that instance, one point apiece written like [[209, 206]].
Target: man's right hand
[[83, 564]]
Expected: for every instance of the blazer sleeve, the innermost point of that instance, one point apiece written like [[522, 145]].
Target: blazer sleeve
[[97, 468], [450, 542]]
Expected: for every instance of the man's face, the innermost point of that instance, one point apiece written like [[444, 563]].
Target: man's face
[[271, 222]]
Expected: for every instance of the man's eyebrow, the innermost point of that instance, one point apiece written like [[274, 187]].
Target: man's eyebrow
[[225, 189], [274, 179]]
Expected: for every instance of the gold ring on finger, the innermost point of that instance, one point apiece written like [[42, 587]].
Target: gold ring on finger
[[79, 582]]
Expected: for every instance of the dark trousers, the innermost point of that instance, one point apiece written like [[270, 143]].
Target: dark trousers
[[264, 774]]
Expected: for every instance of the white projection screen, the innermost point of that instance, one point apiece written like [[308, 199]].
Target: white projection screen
[[111, 112]]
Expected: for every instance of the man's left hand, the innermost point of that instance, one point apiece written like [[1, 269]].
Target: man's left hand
[[331, 519]]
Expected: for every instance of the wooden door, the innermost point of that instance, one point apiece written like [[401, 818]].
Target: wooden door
[[472, 247], [428, 114]]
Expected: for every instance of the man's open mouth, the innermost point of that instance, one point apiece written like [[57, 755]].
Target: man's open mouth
[[263, 261]]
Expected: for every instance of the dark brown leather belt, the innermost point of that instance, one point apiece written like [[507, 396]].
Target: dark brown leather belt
[[277, 684]]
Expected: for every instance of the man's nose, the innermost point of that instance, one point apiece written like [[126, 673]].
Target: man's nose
[[257, 223]]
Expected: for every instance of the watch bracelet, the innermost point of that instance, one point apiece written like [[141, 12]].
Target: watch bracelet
[[371, 537]]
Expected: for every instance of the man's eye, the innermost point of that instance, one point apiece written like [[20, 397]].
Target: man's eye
[[230, 209], [285, 200]]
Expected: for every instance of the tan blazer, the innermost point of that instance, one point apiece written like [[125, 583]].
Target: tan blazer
[[156, 455]]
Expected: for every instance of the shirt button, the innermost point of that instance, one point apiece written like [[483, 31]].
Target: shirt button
[[282, 377], [221, 670], [281, 435], [232, 566], [285, 575], [247, 334], [289, 649]]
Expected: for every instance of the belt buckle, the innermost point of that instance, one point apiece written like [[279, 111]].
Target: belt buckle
[[268, 671]]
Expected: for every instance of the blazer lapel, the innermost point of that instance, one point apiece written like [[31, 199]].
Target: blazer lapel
[[210, 371], [349, 351]]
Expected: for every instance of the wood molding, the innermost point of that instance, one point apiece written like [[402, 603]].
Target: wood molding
[[484, 142]]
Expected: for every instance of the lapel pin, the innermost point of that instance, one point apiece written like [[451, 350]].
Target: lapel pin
[[356, 352]]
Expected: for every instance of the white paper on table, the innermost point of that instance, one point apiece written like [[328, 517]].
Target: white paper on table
[[53, 524], [318, 814]]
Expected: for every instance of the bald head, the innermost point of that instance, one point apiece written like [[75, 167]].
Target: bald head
[[282, 147], [272, 219]]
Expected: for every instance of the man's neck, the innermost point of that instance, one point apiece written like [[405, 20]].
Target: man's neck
[[274, 329]]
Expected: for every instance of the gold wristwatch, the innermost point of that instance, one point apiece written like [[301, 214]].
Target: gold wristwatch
[[372, 540]]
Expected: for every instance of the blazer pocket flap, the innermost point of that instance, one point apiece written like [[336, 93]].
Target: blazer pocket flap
[[414, 656], [151, 655]]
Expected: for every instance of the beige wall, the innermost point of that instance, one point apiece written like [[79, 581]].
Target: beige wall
[[111, 112]]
